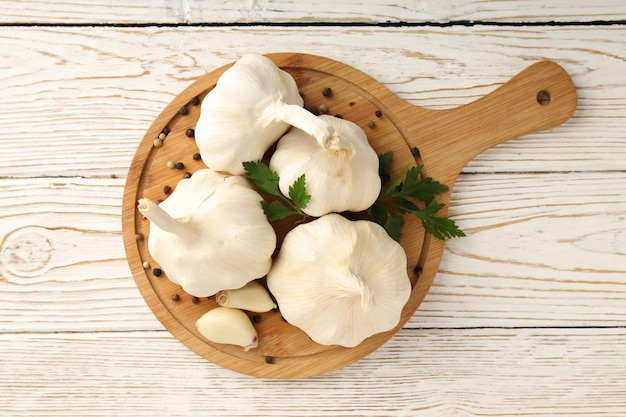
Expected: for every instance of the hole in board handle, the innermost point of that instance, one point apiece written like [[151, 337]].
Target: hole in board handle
[[543, 97]]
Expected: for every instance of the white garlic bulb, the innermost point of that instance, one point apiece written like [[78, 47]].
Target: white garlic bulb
[[341, 168], [340, 281], [211, 233], [252, 105], [229, 326]]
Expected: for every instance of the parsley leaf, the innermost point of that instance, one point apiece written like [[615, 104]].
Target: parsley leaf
[[298, 194], [393, 226], [384, 165], [266, 181], [275, 210], [411, 194], [422, 189], [262, 177]]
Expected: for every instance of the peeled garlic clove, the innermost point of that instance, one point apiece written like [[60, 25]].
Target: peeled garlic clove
[[251, 297], [228, 326]]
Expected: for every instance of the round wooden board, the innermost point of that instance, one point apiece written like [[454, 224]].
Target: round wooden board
[[284, 351]]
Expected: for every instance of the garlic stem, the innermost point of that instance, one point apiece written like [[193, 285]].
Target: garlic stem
[[162, 219], [306, 121]]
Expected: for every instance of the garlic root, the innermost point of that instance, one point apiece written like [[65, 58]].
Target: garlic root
[[228, 326], [251, 297]]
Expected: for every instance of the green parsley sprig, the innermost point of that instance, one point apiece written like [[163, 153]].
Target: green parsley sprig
[[266, 181], [409, 193], [412, 194]]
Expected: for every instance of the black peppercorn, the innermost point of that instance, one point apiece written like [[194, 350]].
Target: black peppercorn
[[183, 110], [166, 131], [338, 116], [379, 113], [190, 133], [167, 189], [179, 165], [197, 156], [195, 100], [415, 151], [187, 175], [175, 297], [195, 300], [269, 360], [327, 92], [157, 272], [256, 318]]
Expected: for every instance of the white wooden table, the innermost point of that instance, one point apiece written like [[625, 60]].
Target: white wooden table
[[527, 315]]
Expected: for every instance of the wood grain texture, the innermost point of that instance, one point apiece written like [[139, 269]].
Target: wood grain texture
[[357, 97], [542, 249], [244, 11], [446, 139], [62, 261], [545, 212], [434, 373], [96, 90], [558, 255]]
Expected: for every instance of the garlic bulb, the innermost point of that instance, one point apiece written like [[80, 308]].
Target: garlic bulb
[[252, 105], [229, 326], [340, 281], [210, 234], [341, 169], [251, 297]]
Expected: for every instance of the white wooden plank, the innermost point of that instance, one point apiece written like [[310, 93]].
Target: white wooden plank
[[442, 373], [62, 260], [76, 101], [542, 250], [407, 11], [85, 11], [246, 11]]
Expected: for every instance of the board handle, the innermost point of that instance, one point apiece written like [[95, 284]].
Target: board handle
[[540, 97]]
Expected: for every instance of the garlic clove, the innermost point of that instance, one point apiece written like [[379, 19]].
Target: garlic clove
[[251, 297], [228, 326]]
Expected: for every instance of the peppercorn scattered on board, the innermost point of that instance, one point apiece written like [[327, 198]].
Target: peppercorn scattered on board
[[444, 141]]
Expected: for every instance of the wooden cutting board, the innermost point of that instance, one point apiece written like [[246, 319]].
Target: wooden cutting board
[[444, 141]]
